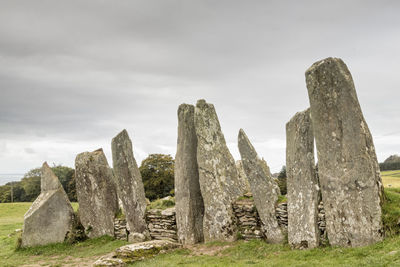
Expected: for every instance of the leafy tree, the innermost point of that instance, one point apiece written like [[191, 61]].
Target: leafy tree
[[157, 172], [28, 189], [282, 180]]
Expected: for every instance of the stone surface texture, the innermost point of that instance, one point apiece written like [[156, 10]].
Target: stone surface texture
[[243, 181], [189, 201], [50, 218], [129, 183], [96, 192], [262, 187], [348, 169], [218, 176], [302, 182]]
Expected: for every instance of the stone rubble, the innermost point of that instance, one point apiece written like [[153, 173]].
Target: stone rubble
[[162, 224]]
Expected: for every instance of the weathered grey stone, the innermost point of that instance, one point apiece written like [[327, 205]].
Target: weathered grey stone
[[348, 169], [189, 202], [139, 251], [262, 187], [274, 181], [50, 218], [217, 174], [96, 192], [129, 183], [244, 182], [302, 182]]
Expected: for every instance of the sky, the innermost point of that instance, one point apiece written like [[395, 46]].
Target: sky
[[73, 74]]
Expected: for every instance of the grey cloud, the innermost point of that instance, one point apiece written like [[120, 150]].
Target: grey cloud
[[74, 73]]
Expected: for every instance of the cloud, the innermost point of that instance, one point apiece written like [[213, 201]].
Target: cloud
[[74, 74]]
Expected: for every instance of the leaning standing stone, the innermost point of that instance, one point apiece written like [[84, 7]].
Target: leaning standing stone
[[244, 182], [262, 187], [218, 175], [348, 169], [50, 218], [189, 202], [302, 183], [96, 192], [129, 184]]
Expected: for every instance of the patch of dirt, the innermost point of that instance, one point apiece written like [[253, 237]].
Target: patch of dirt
[[201, 249]]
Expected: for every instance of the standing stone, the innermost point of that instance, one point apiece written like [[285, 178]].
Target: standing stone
[[302, 182], [217, 174], [96, 192], [50, 218], [263, 189], [129, 184], [274, 181], [243, 181], [348, 169], [189, 202]]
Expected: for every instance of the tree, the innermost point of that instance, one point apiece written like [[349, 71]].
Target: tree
[[157, 172], [28, 189], [282, 180]]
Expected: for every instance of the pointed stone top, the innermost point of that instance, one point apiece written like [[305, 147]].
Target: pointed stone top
[[122, 135], [49, 180], [244, 144], [99, 150], [324, 62]]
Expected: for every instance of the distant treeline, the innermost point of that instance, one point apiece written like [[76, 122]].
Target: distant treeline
[[28, 189], [157, 172], [389, 166]]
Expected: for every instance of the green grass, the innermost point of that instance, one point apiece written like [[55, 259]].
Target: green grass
[[161, 204], [391, 179], [259, 253], [11, 218], [239, 253]]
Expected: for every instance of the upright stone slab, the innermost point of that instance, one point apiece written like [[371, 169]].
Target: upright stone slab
[[96, 192], [129, 184], [262, 186], [217, 174], [302, 182], [50, 218], [348, 169], [189, 202], [243, 181]]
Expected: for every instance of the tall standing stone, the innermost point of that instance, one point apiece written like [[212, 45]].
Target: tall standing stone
[[302, 182], [262, 187], [189, 202], [50, 218], [217, 174], [348, 169], [96, 192], [129, 184]]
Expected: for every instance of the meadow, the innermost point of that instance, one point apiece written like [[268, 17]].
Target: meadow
[[239, 253]]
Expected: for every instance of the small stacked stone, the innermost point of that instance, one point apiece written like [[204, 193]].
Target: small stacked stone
[[322, 223], [248, 221], [120, 231], [282, 215], [162, 224]]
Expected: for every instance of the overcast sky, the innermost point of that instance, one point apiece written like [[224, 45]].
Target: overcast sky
[[75, 73]]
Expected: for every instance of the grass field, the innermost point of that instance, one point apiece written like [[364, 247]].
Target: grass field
[[240, 253], [391, 179]]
